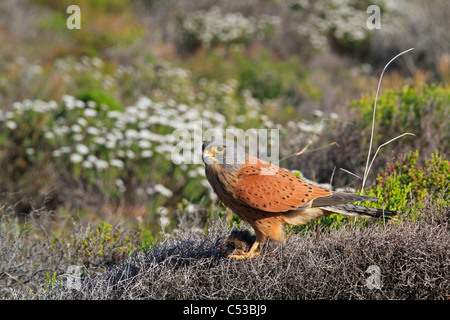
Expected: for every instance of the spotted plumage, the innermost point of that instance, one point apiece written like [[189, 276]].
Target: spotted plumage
[[268, 197]]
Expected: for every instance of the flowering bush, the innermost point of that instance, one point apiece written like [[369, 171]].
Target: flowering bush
[[92, 141], [211, 27]]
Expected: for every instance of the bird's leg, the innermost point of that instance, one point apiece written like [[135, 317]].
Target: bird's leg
[[252, 252], [249, 254]]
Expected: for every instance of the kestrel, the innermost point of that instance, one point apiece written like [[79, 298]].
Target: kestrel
[[268, 197]]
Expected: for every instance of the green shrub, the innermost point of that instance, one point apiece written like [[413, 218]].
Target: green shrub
[[419, 110], [258, 72], [104, 24], [99, 97], [405, 185]]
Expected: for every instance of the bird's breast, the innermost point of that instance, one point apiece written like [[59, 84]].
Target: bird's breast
[[223, 182]]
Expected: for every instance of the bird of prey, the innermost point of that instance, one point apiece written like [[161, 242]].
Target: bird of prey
[[269, 197]]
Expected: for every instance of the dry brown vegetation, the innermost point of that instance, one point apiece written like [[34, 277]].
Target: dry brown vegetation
[[413, 259]]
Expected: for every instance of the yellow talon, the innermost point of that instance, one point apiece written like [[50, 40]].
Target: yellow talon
[[247, 255]]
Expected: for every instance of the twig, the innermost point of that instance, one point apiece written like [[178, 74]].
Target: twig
[[14, 278], [353, 174], [366, 171], [311, 141], [386, 143]]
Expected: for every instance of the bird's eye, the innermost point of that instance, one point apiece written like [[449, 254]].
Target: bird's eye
[[219, 149]]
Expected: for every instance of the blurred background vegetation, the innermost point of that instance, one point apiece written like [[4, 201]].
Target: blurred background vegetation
[[86, 116]]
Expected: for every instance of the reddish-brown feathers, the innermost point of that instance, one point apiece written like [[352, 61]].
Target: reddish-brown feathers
[[267, 187]]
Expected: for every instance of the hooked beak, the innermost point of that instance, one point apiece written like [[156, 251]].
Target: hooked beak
[[208, 156]]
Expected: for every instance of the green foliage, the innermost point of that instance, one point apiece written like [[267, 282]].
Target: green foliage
[[51, 282], [418, 110], [104, 24], [104, 242], [405, 182], [100, 97], [256, 72], [404, 186]]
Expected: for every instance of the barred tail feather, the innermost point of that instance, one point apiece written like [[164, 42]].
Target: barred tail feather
[[360, 211]]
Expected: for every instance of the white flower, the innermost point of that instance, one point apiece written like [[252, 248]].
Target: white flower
[[93, 130], [144, 144], [101, 140], [97, 62], [82, 122], [75, 128], [101, 164], [29, 151], [318, 113], [131, 134], [163, 190], [79, 104], [164, 221], [110, 144], [18, 106], [61, 130], [182, 107], [69, 101], [49, 135], [91, 104], [87, 164], [75, 158], [78, 137], [150, 191], [164, 216], [65, 149], [148, 135], [120, 185], [114, 114], [146, 154], [82, 149], [116, 163], [90, 112], [56, 153], [11, 124], [144, 102]]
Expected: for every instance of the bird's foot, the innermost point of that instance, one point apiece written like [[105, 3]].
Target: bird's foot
[[244, 255], [241, 254]]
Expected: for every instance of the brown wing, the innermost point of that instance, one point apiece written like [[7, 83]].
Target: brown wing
[[267, 187], [340, 198]]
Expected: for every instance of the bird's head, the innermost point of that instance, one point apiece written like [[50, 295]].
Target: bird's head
[[224, 153]]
